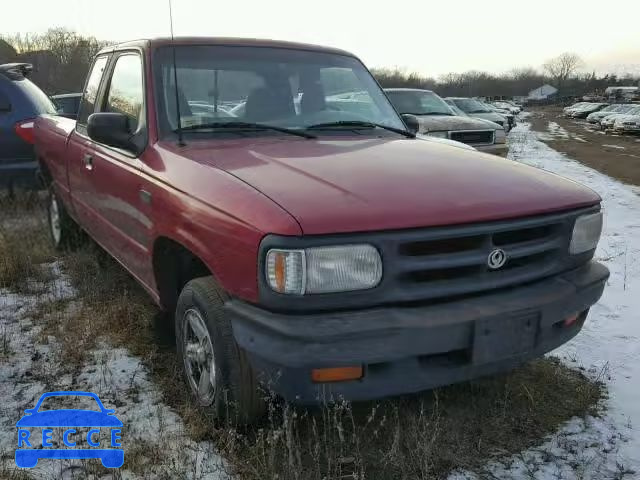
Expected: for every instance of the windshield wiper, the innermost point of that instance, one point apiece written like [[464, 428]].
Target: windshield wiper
[[246, 125], [361, 124]]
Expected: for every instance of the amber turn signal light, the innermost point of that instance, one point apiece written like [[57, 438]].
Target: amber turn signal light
[[337, 374]]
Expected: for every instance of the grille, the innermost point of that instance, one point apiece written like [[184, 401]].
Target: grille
[[448, 262], [473, 137]]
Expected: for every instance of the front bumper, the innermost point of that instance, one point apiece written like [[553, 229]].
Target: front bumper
[[501, 149], [406, 349]]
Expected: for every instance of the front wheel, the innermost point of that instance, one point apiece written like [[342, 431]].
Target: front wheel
[[64, 232], [217, 370]]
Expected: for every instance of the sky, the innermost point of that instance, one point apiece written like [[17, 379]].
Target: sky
[[432, 38]]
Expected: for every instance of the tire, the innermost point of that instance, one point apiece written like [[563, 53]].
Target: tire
[[235, 395], [65, 234]]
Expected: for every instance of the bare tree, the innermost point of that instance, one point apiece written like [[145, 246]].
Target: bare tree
[[60, 57], [562, 67]]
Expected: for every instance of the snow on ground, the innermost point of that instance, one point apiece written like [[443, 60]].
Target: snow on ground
[[608, 347], [557, 132], [29, 367], [619, 147]]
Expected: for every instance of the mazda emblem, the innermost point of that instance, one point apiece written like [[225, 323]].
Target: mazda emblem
[[496, 259]]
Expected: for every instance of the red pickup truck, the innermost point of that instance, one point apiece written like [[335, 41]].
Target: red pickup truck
[[305, 239]]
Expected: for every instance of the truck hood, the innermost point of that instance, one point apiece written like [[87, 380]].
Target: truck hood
[[351, 185], [435, 123]]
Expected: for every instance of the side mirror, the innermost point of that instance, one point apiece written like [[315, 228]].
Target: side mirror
[[111, 129], [411, 121]]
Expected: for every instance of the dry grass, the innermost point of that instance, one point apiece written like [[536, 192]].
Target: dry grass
[[24, 245], [414, 437]]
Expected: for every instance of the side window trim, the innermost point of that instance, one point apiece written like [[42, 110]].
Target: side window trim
[[82, 127]]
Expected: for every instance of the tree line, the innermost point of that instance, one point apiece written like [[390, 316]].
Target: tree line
[[563, 72], [62, 57]]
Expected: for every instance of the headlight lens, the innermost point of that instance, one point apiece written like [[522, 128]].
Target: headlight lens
[[438, 134], [586, 233], [323, 269], [501, 136]]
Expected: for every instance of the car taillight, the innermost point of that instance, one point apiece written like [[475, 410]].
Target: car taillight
[[24, 129]]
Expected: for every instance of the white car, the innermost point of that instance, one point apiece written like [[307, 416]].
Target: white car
[[575, 106], [608, 122], [507, 106], [596, 117], [627, 124]]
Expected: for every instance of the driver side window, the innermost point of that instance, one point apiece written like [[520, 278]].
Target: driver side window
[[126, 92], [87, 106]]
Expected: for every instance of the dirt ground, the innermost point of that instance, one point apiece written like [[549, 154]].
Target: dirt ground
[[615, 155]]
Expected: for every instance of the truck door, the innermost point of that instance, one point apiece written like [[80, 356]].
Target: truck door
[[79, 147], [117, 202]]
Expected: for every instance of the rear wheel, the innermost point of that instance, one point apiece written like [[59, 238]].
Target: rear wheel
[[217, 370], [64, 232]]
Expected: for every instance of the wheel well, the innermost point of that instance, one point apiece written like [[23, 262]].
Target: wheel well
[[173, 266]]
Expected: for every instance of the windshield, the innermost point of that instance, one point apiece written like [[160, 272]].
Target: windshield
[[469, 105], [281, 87], [418, 102]]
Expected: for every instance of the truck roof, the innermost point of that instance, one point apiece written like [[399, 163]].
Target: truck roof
[[221, 41]]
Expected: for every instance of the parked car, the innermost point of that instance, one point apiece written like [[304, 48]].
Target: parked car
[[67, 104], [571, 108], [474, 108], [608, 122], [325, 254], [435, 118], [511, 117], [204, 109], [20, 102], [629, 123], [587, 109], [596, 117], [508, 106]]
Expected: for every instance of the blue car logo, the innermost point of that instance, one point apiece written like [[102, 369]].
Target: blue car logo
[[29, 452]]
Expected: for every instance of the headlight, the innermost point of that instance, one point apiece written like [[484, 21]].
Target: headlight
[[438, 134], [323, 269], [501, 136], [586, 233]]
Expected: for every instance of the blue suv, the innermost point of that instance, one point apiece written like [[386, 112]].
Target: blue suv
[[20, 103]]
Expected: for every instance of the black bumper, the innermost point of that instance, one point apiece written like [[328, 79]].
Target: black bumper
[[408, 349], [20, 174]]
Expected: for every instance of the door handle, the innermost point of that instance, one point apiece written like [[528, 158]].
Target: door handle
[[88, 161]]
